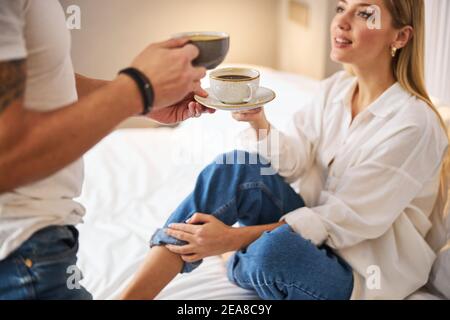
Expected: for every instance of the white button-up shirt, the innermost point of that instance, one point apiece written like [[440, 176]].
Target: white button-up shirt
[[369, 184]]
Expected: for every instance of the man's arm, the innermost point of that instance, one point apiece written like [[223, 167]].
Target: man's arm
[[86, 86], [12, 82], [34, 145], [12, 88]]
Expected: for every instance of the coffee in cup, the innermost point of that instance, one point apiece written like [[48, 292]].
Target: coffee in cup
[[234, 85], [213, 47]]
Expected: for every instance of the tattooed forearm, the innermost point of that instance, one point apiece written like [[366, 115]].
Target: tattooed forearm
[[12, 82]]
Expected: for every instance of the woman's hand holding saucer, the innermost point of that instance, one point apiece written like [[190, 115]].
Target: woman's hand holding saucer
[[255, 117]]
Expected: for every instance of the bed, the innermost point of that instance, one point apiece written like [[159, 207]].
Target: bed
[[134, 178]]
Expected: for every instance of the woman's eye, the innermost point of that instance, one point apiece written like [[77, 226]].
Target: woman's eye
[[365, 14], [339, 9]]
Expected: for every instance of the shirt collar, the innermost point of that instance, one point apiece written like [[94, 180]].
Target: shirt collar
[[383, 106]]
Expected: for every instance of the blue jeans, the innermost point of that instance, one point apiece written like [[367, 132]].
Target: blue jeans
[[281, 264], [44, 268]]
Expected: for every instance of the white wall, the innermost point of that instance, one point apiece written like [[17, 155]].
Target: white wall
[[114, 31], [306, 49], [438, 49], [331, 67]]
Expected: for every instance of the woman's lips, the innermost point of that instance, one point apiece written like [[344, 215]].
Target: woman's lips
[[342, 43]]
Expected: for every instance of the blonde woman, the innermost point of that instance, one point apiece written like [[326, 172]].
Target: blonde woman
[[380, 146]]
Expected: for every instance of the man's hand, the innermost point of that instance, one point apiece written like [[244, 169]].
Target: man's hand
[[168, 65], [185, 109]]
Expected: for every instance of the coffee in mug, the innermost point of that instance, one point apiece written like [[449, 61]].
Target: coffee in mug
[[234, 85], [234, 77]]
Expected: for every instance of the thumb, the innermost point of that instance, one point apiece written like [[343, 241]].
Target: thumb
[[199, 218], [201, 92], [174, 43]]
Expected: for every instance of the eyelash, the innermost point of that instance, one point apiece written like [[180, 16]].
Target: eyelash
[[363, 14]]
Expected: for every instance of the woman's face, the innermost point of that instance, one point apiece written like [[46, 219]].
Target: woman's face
[[362, 33]]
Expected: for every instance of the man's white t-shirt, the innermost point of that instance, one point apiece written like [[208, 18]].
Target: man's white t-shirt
[[36, 31]]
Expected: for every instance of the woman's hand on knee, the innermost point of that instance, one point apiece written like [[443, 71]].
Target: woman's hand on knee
[[206, 236]]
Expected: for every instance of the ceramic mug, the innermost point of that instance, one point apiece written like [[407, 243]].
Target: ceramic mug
[[234, 85], [213, 47]]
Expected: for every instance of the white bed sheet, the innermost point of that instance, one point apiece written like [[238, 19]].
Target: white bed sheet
[[135, 178]]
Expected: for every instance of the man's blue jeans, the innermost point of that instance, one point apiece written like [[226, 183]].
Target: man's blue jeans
[[44, 268], [280, 264]]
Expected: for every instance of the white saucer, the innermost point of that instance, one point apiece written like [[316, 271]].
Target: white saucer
[[262, 97]]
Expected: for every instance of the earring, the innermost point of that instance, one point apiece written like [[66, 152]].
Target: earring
[[393, 51]]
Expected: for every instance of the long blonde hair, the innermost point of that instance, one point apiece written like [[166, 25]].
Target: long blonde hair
[[409, 71]]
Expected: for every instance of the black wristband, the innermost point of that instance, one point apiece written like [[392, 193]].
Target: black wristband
[[144, 85]]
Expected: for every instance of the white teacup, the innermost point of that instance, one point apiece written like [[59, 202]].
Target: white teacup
[[234, 85]]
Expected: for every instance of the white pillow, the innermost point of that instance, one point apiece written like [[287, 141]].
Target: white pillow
[[439, 282]]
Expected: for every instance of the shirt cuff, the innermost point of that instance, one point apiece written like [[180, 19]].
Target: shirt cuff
[[308, 224], [9, 53]]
